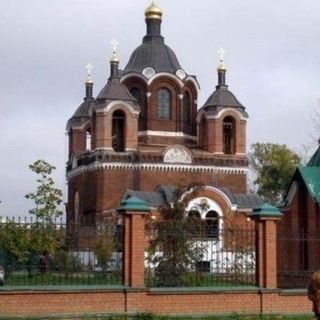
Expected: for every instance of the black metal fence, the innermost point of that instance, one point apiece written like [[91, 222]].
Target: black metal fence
[[298, 257], [200, 256], [51, 253]]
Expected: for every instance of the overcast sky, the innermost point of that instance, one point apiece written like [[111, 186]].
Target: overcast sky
[[273, 61]]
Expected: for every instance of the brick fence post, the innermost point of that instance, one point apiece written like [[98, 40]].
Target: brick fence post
[[266, 219], [134, 212]]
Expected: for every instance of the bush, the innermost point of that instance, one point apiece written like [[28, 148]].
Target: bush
[[66, 262]]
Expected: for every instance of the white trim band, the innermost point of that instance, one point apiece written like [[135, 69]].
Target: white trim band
[[167, 134], [153, 167]]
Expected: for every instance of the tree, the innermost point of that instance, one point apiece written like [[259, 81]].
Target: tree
[[47, 197], [274, 166], [172, 247], [21, 243], [104, 248]]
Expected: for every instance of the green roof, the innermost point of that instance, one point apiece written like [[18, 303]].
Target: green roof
[[315, 159], [311, 178], [266, 210], [134, 204]]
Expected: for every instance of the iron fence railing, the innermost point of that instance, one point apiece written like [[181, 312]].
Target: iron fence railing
[[298, 257], [34, 252], [200, 257]]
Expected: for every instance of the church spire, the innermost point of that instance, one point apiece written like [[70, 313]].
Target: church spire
[[153, 15], [221, 69]]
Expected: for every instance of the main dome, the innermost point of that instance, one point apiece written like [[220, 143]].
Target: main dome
[[153, 52]]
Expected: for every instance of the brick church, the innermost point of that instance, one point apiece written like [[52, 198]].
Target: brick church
[[144, 135]]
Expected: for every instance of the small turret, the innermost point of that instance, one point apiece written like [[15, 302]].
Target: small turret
[[222, 119]]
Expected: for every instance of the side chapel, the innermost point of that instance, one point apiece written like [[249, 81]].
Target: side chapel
[[144, 135]]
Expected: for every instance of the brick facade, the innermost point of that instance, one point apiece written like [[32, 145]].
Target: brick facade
[[137, 301]]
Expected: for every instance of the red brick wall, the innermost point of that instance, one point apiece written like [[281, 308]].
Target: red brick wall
[[100, 191], [159, 302], [295, 254]]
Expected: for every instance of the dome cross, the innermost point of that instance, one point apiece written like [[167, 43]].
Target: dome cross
[[221, 52], [221, 66], [89, 68], [114, 43]]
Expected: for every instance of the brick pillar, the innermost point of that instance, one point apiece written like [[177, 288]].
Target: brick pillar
[[134, 212], [266, 219]]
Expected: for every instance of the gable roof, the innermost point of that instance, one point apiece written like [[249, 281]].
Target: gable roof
[[315, 159], [311, 178], [163, 195]]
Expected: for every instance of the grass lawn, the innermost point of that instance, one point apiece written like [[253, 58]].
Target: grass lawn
[[194, 279], [235, 317], [23, 279]]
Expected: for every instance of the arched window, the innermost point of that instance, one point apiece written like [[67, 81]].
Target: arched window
[[136, 93], [118, 134], [194, 219], [186, 110], [88, 140], [76, 207], [164, 104], [212, 225], [194, 214], [229, 135]]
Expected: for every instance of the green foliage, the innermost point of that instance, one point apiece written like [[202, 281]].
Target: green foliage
[[21, 244], [66, 262], [274, 165], [104, 248], [174, 239], [47, 197]]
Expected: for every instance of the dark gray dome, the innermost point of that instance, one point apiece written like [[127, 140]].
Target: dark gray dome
[[154, 54], [222, 97], [115, 90], [81, 115]]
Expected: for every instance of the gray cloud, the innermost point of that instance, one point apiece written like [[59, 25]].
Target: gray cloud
[[272, 58]]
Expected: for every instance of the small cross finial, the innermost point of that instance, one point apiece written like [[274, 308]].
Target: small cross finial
[[221, 52], [114, 43], [221, 66], [89, 68]]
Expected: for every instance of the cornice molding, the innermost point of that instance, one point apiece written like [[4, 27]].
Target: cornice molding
[[109, 106], [77, 127], [167, 134], [162, 74], [96, 166], [220, 114]]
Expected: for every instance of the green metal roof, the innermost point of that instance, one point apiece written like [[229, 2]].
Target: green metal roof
[[315, 159], [311, 178], [134, 204], [266, 210]]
